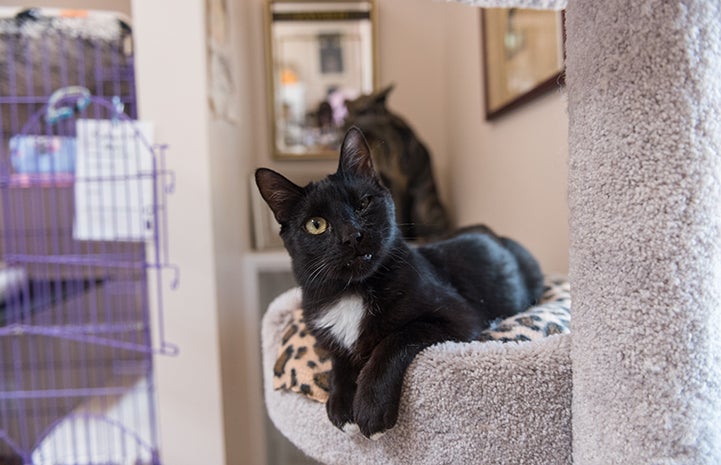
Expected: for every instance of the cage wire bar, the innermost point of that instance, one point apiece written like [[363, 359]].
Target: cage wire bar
[[84, 252]]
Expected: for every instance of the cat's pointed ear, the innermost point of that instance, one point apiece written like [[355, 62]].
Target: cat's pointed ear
[[280, 194], [382, 95], [355, 155]]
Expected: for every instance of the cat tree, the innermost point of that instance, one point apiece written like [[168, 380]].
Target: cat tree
[[639, 379]]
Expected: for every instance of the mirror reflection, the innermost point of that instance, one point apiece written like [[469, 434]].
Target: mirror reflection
[[320, 55]]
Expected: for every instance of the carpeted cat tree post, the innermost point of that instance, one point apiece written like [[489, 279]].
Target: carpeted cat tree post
[[639, 379], [644, 90]]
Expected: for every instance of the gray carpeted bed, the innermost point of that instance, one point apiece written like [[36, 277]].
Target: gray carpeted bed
[[459, 401]]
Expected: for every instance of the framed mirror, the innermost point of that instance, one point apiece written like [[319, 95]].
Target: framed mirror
[[319, 54]]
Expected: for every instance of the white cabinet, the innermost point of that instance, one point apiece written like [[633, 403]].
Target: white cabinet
[[268, 274]]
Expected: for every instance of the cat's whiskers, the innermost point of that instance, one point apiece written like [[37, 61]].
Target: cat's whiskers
[[320, 272], [322, 269], [314, 268]]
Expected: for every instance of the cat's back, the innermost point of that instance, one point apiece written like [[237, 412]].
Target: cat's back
[[469, 252], [484, 270]]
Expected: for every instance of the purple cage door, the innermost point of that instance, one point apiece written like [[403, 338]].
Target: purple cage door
[[77, 335]]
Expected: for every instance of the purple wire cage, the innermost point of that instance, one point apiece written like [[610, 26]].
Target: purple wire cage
[[83, 248]]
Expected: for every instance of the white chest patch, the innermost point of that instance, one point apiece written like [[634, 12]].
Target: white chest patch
[[343, 320]]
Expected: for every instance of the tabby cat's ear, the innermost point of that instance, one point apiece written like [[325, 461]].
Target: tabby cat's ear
[[382, 95], [280, 194], [355, 155]]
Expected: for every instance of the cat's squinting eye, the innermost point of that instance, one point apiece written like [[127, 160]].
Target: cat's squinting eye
[[316, 225], [365, 201]]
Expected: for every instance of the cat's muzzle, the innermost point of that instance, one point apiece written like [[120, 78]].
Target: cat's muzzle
[[359, 259]]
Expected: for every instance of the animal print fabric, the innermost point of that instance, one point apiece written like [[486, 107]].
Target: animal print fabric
[[303, 367], [551, 316]]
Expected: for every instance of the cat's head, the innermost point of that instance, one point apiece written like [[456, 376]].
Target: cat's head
[[337, 229], [367, 106]]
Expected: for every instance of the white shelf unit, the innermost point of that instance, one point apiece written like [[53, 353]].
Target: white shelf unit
[[268, 274]]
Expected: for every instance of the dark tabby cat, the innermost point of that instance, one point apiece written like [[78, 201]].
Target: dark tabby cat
[[373, 301], [404, 165]]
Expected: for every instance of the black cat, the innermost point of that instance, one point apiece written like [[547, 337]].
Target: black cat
[[372, 300]]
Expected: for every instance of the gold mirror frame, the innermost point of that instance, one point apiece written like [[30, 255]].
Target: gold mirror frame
[[318, 54]]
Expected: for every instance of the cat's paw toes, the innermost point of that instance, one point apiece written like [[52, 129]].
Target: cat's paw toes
[[340, 413], [377, 436], [342, 421], [373, 428], [350, 429], [374, 418]]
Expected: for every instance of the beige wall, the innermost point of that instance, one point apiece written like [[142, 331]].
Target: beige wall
[[171, 80], [233, 149], [510, 173]]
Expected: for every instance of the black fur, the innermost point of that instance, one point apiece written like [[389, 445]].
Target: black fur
[[413, 296]]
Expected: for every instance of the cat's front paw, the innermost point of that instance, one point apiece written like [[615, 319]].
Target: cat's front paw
[[376, 411], [340, 410]]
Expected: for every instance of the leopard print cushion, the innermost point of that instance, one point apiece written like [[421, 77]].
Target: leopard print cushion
[[303, 367], [551, 316]]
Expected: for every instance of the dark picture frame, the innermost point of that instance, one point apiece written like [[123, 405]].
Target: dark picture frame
[[331, 53], [523, 56]]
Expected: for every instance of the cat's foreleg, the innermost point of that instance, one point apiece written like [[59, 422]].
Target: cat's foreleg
[[381, 379], [342, 391]]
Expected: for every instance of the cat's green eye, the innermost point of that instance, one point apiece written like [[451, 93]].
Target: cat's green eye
[[316, 225]]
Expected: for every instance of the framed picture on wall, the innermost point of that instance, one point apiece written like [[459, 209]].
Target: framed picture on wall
[[331, 53], [522, 56]]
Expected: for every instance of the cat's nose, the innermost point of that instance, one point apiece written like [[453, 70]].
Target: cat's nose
[[354, 237]]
